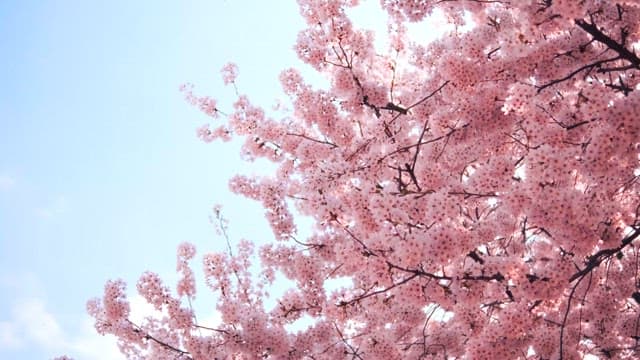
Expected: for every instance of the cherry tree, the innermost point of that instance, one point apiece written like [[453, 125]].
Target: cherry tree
[[478, 194]]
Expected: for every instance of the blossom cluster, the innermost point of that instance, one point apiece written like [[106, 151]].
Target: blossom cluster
[[475, 197]]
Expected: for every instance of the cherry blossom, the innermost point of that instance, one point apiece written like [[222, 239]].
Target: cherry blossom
[[229, 73], [476, 197]]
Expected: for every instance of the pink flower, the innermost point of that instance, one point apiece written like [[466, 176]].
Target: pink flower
[[229, 73], [475, 196]]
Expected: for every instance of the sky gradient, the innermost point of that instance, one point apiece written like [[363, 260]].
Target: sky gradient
[[101, 174]]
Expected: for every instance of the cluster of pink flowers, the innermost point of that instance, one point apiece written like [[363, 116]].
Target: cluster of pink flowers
[[206, 104], [229, 73], [475, 197], [187, 283]]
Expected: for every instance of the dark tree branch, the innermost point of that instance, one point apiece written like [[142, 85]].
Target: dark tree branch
[[617, 46], [596, 259], [601, 37], [588, 67], [137, 329]]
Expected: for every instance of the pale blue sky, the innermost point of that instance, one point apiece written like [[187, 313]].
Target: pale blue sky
[[101, 174]]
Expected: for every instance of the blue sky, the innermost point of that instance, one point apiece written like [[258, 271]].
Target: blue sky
[[101, 174]]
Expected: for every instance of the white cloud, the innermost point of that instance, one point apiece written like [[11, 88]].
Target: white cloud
[[6, 182], [33, 325], [56, 207], [90, 345], [37, 324], [140, 309], [9, 339]]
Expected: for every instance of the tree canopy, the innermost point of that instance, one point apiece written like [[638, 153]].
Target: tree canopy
[[479, 193]]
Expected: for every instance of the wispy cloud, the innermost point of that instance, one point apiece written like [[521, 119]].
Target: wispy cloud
[[37, 324], [58, 206], [6, 182], [90, 345], [30, 324], [9, 338], [33, 326]]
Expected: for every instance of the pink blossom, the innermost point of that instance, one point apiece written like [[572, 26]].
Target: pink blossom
[[229, 73], [187, 283], [472, 197]]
